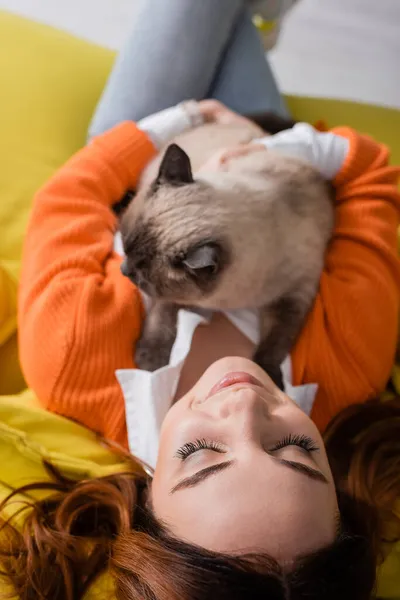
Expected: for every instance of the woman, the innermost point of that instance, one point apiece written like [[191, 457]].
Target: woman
[[243, 501]]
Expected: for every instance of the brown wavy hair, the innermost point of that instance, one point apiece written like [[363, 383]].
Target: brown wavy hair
[[83, 529]]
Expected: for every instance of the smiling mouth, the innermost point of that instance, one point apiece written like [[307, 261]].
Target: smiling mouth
[[233, 379]]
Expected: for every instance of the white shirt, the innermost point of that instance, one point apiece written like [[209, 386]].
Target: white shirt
[[149, 395]]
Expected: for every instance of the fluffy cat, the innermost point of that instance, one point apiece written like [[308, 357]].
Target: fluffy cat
[[251, 236]]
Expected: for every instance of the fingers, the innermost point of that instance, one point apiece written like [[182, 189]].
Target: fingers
[[242, 150], [220, 160], [210, 109], [214, 111]]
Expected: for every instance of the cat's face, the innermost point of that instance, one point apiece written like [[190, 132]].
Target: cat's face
[[216, 241], [174, 249]]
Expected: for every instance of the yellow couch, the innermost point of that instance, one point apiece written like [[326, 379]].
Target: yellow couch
[[50, 83]]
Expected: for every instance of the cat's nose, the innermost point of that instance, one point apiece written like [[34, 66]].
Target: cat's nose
[[124, 268], [133, 274]]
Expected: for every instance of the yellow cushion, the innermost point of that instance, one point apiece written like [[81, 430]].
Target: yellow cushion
[[28, 436], [11, 378]]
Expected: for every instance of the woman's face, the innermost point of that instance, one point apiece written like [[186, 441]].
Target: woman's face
[[242, 468]]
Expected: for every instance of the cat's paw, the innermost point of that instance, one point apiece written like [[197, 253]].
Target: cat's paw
[[150, 356]]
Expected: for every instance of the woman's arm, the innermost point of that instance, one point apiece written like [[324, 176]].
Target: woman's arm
[[348, 342], [78, 316]]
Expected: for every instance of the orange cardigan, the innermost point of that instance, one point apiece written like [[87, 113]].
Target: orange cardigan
[[79, 318]]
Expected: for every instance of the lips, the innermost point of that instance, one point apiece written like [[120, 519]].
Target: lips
[[233, 379]]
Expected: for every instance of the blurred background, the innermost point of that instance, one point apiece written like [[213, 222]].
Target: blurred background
[[332, 48]]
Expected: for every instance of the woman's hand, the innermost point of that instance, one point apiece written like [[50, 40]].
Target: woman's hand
[[326, 152], [214, 111], [164, 126], [220, 160]]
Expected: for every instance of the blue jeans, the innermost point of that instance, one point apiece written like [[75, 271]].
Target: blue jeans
[[182, 49]]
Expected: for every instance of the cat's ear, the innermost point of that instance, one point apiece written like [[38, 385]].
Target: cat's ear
[[175, 168]]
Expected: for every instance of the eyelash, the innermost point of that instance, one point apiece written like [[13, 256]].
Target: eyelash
[[191, 447], [303, 441]]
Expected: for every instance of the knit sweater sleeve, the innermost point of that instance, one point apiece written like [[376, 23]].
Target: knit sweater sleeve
[[79, 317], [348, 342]]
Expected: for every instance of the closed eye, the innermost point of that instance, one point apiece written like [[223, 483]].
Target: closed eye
[[202, 444], [301, 441]]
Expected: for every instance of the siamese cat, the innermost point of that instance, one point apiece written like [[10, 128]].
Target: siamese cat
[[252, 235]]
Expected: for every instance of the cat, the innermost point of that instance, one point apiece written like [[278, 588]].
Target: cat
[[251, 236]]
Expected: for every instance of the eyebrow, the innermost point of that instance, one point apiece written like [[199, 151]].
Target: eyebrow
[[202, 475], [305, 469]]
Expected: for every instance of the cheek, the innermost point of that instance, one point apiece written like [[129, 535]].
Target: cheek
[[161, 482], [297, 422], [167, 435], [296, 419], [171, 432], [171, 439]]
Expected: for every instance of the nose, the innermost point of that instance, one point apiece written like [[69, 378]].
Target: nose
[[124, 268], [242, 409], [240, 401], [135, 275]]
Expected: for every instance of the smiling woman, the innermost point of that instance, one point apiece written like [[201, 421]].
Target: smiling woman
[[237, 444], [243, 504]]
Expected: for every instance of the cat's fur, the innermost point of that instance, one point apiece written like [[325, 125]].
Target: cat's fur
[[254, 235]]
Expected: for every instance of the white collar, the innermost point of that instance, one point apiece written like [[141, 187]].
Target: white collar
[[148, 396]]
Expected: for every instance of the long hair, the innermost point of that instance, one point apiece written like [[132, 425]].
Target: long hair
[[363, 447], [83, 529]]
